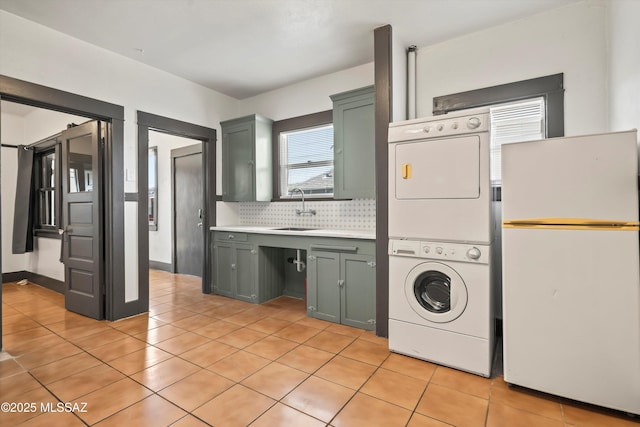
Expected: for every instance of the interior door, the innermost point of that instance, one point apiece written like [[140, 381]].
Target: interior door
[[188, 204], [82, 249]]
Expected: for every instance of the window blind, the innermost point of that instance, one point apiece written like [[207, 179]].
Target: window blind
[[514, 122], [306, 161]]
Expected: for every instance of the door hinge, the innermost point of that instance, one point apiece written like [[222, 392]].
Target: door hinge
[[371, 263], [102, 141], [311, 258], [254, 297], [340, 283], [311, 308], [371, 321], [253, 252]]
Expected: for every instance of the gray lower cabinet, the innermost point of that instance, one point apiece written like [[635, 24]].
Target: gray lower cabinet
[[342, 288], [341, 273], [236, 270], [323, 279]]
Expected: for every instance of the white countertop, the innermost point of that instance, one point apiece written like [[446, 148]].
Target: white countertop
[[315, 232]]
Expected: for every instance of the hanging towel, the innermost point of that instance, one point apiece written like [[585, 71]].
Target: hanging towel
[[23, 217]]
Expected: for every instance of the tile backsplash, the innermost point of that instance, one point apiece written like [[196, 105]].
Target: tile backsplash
[[357, 214]]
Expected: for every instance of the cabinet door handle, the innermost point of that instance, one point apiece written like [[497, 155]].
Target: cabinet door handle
[[332, 248], [340, 283], [233, 266], [231, 237]]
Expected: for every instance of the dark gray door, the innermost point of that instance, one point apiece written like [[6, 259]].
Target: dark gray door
[[188, 196], [82, 250]]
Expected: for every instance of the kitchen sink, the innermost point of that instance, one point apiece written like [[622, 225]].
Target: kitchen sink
[[294, 229]]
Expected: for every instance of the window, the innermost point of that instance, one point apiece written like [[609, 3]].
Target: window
[[153, 189], [304, 159], [47, 195], [514, 122], [47, 217]]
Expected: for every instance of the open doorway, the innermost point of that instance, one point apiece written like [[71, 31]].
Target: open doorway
[[39, 129], [53, 228], [201, 149], [175, 204], [31, 94]]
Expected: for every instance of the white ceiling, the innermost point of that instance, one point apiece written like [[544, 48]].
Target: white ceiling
[[246, 47]]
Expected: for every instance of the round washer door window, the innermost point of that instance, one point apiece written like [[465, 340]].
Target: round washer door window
[[436, 292]]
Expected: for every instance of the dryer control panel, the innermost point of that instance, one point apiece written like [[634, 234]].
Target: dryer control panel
[[478, 254], [458, 123]]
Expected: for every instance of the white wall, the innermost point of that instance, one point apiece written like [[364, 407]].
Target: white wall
[[41, 55], [41, 124], [160, 239], [399, 47], [569, 40], [310, 96], [624, 59], [45, 258]]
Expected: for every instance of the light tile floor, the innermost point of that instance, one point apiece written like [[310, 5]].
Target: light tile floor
[[198, 360]]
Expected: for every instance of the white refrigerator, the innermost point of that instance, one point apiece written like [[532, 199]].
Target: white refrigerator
[[571, 273]]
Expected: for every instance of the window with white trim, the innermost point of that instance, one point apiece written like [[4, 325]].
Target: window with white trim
[[306, 161], [46, 190], [514, 122]]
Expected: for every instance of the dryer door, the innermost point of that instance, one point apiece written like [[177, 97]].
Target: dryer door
[[438, 169], [436, 292]]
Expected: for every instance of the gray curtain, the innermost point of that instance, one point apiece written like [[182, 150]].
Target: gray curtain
[[23, 217]]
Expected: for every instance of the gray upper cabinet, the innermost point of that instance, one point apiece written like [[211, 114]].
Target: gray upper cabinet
[[354, 144], [246, 159]]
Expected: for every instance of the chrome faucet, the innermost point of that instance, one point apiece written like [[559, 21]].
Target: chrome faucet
[[302, 211]]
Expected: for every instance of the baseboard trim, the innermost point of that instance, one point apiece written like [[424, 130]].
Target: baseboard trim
[[38, 279], [14, 276], [162, 266]]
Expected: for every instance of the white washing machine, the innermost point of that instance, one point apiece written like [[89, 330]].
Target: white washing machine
[[440, 303], [439, 182]]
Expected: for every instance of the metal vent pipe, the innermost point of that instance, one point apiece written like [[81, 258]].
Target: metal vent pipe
[[411, 81]]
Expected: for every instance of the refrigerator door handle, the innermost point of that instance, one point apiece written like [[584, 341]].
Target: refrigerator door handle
[[572, 224]]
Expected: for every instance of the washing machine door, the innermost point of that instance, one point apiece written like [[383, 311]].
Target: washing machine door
[[436, 292]]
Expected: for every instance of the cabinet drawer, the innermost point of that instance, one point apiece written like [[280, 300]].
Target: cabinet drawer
[[230, 236]]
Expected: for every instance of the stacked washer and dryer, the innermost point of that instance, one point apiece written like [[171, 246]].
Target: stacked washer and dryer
[[441, 241]]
